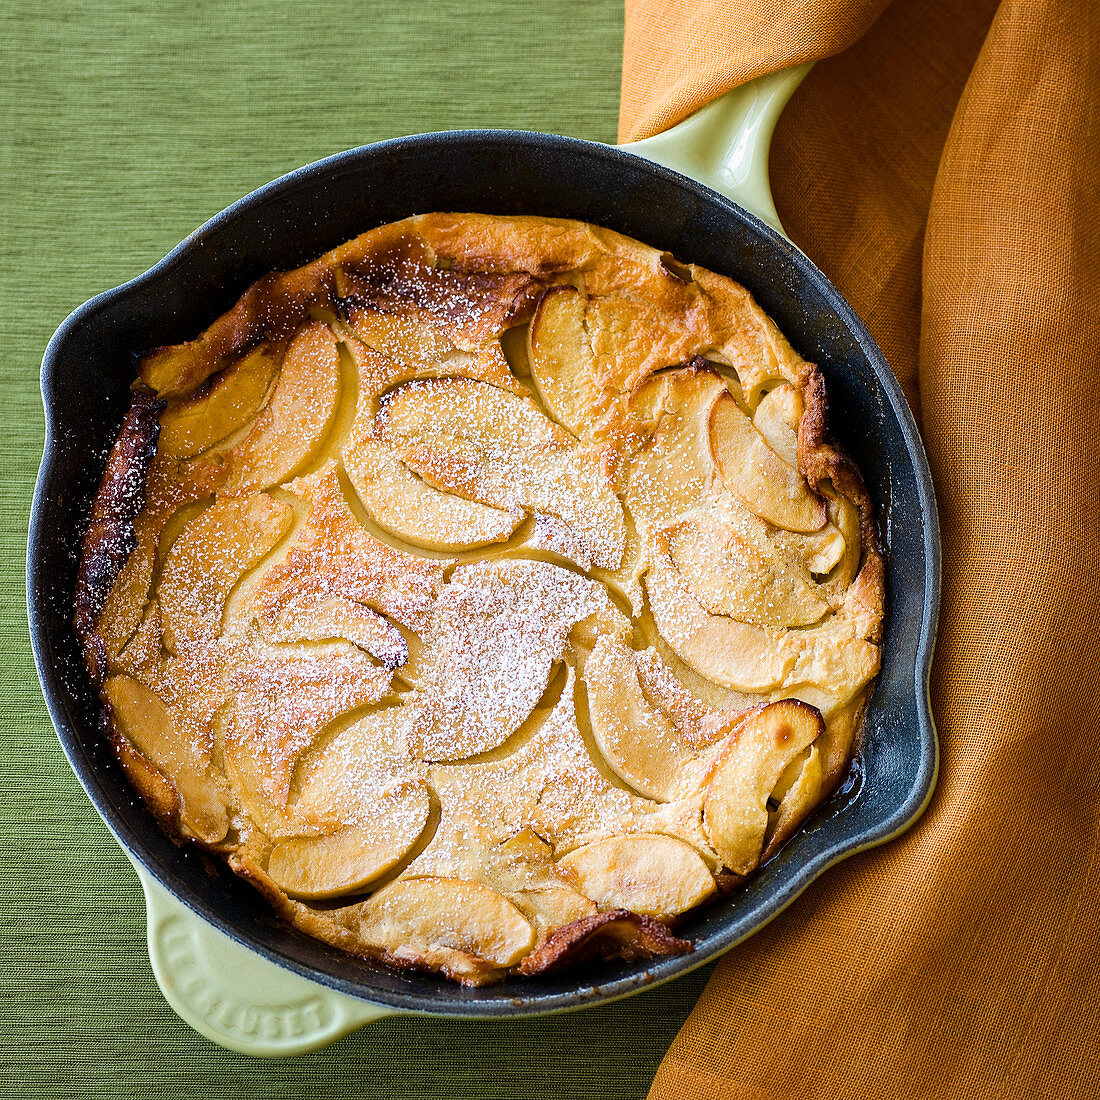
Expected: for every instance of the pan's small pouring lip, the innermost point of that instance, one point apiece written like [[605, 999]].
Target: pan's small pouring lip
[[85, 377]]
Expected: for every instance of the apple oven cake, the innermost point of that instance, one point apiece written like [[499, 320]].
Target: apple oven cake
[[487, 592]]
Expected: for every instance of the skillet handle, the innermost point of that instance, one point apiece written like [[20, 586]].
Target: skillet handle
[[724, 145], [233, 996]]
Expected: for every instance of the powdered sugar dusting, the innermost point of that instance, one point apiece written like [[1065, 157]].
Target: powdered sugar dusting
[[497, 629]]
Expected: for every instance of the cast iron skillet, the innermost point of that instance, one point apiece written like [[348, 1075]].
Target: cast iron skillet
[[86, 375]]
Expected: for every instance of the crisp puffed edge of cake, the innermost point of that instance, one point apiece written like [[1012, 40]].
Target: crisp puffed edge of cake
[[109, 538]]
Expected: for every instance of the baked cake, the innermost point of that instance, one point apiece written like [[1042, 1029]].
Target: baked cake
[[487, 592]]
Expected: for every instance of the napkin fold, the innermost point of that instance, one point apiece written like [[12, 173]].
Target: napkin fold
[[942, 166]]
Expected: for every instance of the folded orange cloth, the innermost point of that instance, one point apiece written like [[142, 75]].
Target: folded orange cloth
[[944, 171]]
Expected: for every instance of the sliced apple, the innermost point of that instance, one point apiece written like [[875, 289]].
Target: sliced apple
[[561, 359], [208, 558], [647, 873], [142, 718], [222, 406], [735, 808], [246, 769], [823, 551], [497, 630], [296, 419], [640, 743], [548, 783], [776, 418], [317, 617], [630, 340], [522, 867], [698, 723], [143, 651], [492, 446], [344, 777], [285, 700], [552, 535], [830, 659], [771, 488], [668, 475], [834, 662], [417, 512], [446, 924], [334, 555], [731, 573], [608, 622], [402, 338], [348, 861], [553, 905], [797, 792], [845, 517], [731, 653]]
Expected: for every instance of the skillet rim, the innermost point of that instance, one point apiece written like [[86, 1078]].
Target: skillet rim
[[518, 1000]]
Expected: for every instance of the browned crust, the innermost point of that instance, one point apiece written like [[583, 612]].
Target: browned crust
[[616, 934], [156, 790], [820, 460], [109, 537], [271, 309]]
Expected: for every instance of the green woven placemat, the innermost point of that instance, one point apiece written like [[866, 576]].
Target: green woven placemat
[[125, 125]]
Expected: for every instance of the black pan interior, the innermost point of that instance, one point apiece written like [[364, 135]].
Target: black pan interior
[[88, 367]]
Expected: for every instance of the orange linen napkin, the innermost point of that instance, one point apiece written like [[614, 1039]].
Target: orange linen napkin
[[944, 171]]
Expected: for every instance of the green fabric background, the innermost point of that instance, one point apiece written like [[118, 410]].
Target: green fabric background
[[125, 125]]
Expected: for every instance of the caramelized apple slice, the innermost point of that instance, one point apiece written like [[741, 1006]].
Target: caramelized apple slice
[[549, 784], [462, 928], [246, 769], [731, 573], [631, 340], [296, 419], [350, 860], [553, 905], [208, 558], [415, 511], [735, 808], [550, 534], [560, 355], [491, 446], [830, 659], [219, 408], [824, 551], [639, 742], [284, 700], [334, 555], [770, 487], [647, 873], [497, 630], [400, 337], [142, 718]]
